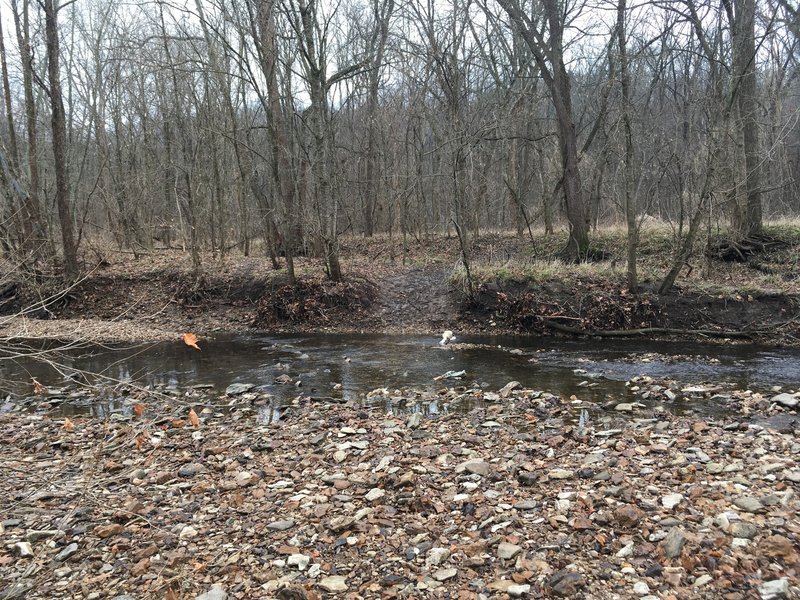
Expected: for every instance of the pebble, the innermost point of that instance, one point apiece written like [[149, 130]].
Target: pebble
[[743, 529], [703, 580], [640, 588], [476, 467], [236, 389], [674, 542], [374, 494], [670, 501], [187, 533], [788, 400], [334, 583], [23, 549], [507, 551], [445, 574], [517, 591], [217, 592], [191, 469], [775, 589], [626, 550], [67, 552], [748, 503], [282, 525], [560, 474], [624, 407], [714, 468], [298, 560], [437, 556]]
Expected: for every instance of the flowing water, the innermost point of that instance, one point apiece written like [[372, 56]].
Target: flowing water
[[590, 369]]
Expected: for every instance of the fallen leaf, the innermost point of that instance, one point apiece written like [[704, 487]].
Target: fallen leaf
[[38, 388], [190, 339], [138, 409], [193, 418], [140, 441], [68, 425]]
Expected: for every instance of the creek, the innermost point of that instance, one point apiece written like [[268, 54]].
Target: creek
[[313, 365]]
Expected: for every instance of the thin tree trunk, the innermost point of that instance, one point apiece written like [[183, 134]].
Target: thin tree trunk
[[58, 121]]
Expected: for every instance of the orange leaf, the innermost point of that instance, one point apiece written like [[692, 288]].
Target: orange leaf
[[38, 388], [140, 441], [138, 409], [190, 339], [193, 418], [68, 425]]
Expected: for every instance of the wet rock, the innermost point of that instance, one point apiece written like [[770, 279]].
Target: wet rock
[[507, 551], [334, 583], [774, 590], [674, 542], [566, 583], [217, 592], [67, 552], [237, 389]]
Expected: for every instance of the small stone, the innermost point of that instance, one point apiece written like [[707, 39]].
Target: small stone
[[445, 574], [640, 588], [626, 550], [340, 456], [673, 543], [282, 525], [334, 583], [775, 589], [23, 549], [191, 469], [298, 560], [703, 580], [628, 515], [787, 400], [437, 556], [566, 583], [236, 389], [526, 505], [560, 474], [414, 420], [670, 501], [507, 551], [67, 552], [517, 591], [714, 468], [374, 494], [624, 407], [476, 467], [34, 535], [217, 592], [106, 531], [187, 533], [748, 504], [743, 529]]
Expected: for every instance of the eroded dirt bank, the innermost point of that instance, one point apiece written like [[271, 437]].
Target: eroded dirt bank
[[419, 289], [520, 498]]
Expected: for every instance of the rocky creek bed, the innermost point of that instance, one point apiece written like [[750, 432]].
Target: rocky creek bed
[[197, 496]]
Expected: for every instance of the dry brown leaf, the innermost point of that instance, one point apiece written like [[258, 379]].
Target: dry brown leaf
[[38, 388], [68, 425], [190, 339], [140, 441], [193, 419], [138, 409]]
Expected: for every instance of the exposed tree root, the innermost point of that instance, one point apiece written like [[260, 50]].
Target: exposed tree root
[[741, 250], [646, 331]]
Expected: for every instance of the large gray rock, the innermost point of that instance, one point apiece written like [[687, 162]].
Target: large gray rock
[[787, 400]]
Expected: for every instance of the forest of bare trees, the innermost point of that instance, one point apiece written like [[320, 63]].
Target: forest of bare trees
[[216, 124]]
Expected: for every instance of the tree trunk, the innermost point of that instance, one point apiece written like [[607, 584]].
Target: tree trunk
[[58, 121]]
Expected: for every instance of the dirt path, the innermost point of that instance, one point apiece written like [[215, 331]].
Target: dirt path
[[417, 299]]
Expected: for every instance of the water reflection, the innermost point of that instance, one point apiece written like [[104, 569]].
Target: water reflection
[[347, 367]]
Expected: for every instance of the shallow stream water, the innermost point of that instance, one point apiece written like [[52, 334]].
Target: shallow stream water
[[593, 370]]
